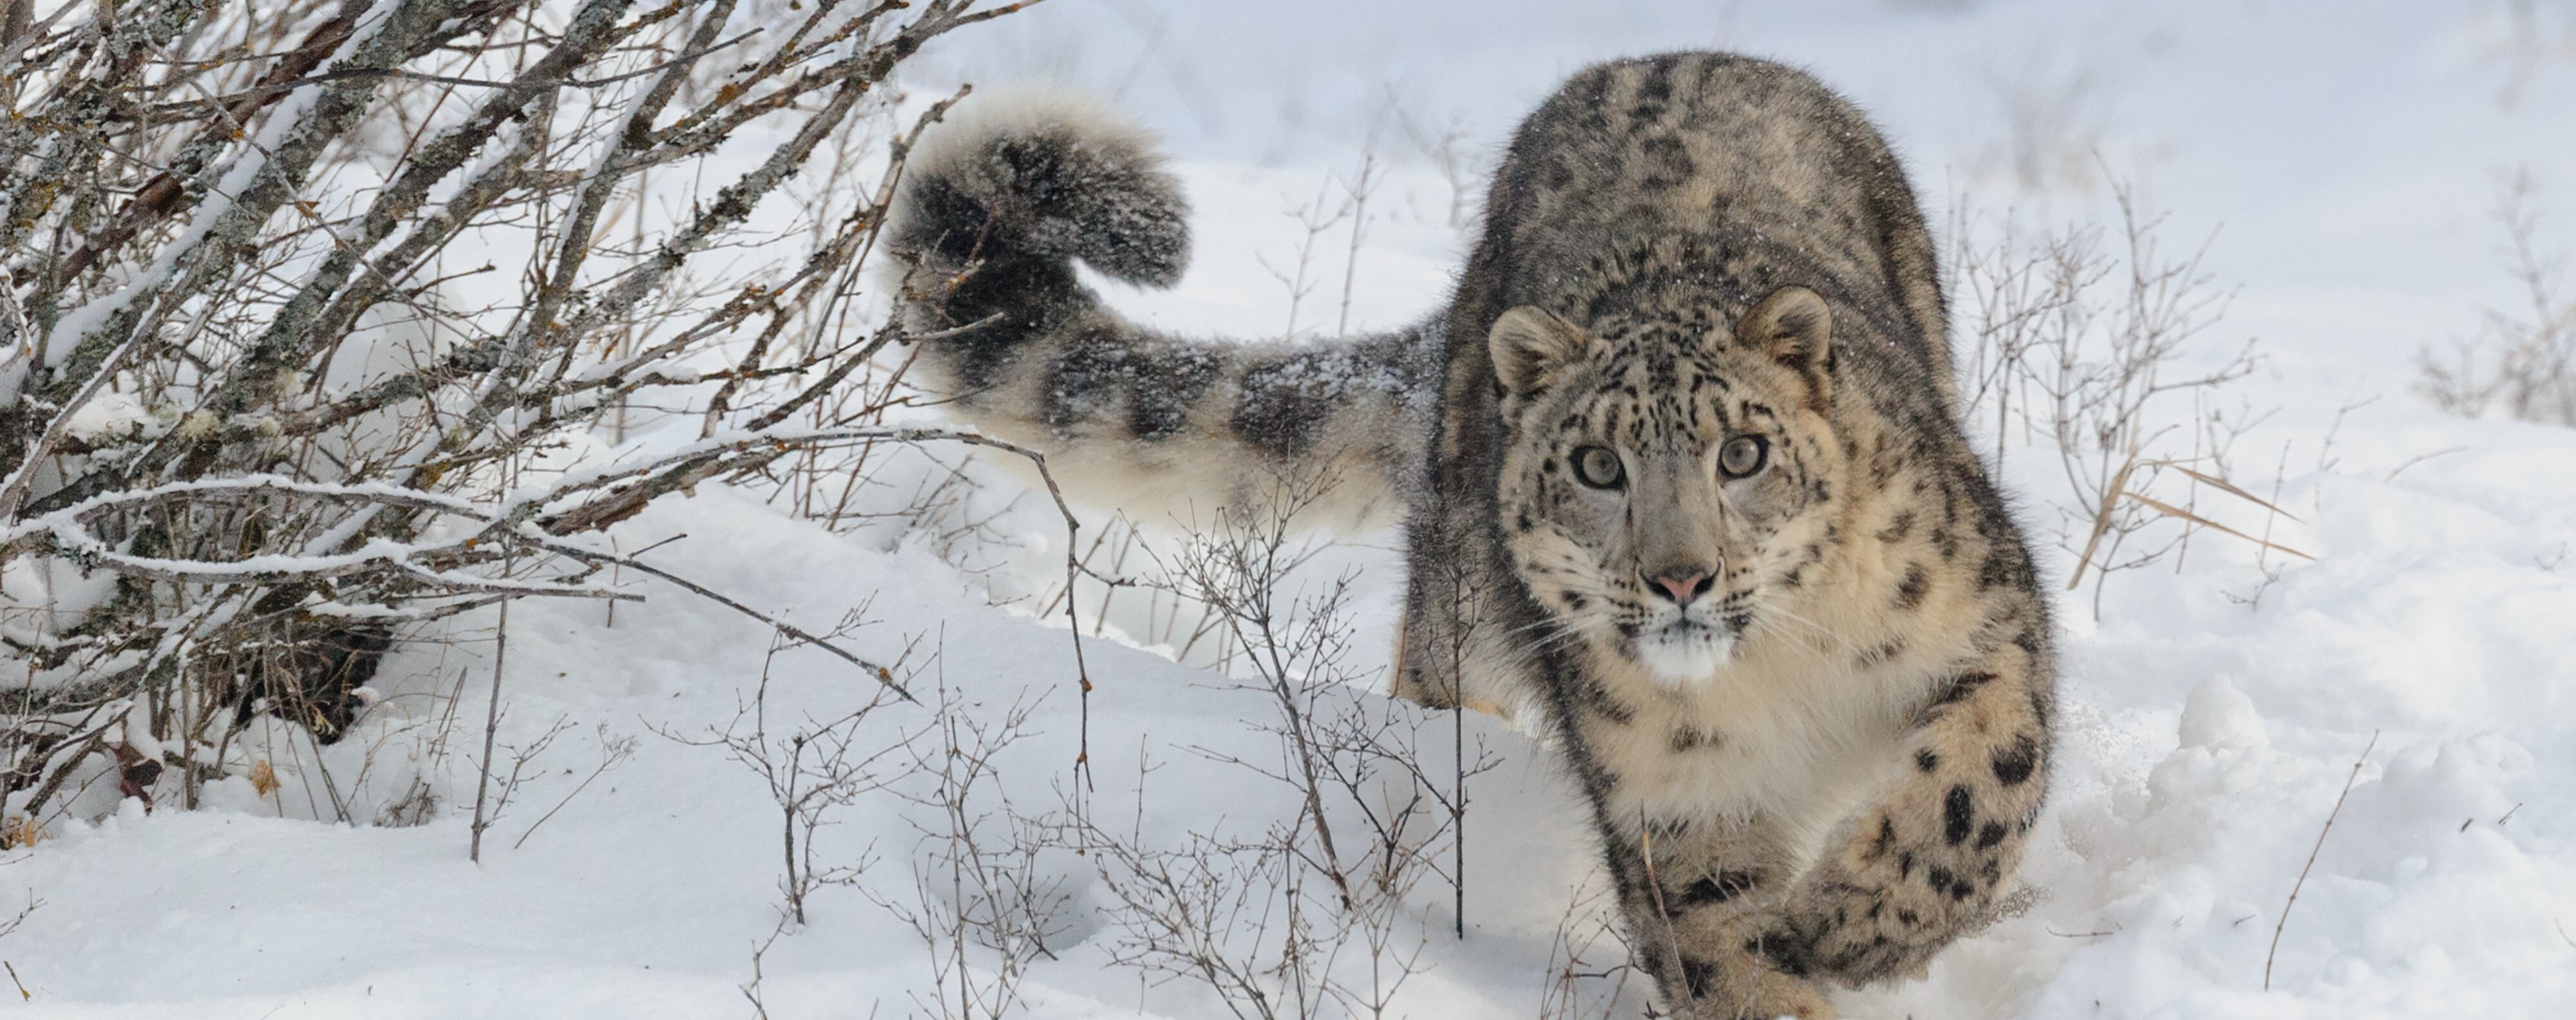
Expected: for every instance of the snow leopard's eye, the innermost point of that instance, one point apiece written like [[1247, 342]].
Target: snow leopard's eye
[[1598, 467], [1742, 456]]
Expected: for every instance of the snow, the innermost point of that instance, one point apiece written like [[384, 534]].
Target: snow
[[112, 413], [2342, 154]]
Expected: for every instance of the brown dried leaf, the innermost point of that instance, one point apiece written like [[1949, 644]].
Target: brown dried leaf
[[22, 831], [2170, 510], [2223, 485]]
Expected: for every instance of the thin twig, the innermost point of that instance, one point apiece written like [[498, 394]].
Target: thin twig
[[882, 674], [611, 753], [2270, 954], [1668, 939], [2421, 458], [491, 730]]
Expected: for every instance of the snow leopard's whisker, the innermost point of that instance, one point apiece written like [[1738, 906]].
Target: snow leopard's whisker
[[1781, 614]]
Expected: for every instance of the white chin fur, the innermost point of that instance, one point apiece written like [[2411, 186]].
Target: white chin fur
[[1681, 661]]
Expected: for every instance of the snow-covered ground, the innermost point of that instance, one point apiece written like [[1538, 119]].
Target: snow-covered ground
[[2341, 158]]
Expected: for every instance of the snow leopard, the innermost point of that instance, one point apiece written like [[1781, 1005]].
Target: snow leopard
[[1682, 475]]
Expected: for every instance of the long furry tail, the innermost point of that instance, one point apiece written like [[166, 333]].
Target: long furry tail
[[1001, 201]]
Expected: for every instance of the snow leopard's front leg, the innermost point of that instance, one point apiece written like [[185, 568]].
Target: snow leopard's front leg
[[1933, 859], [1697, 887], [1698, 897]]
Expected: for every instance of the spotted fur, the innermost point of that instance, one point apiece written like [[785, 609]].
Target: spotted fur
[[1807, 692]]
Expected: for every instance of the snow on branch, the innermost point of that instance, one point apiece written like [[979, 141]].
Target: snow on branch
[[318, 322]]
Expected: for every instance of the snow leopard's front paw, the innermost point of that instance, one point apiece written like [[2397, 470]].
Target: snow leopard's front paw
[[1845, 929]]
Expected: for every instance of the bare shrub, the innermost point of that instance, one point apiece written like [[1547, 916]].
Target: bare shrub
[[2522, 363], [2071, 344], [982, 903], [1312, 915], [1447, 146], [1587, 959], [504, 786], [1340, 202], [613, 752], [813, 767], [319, 321]]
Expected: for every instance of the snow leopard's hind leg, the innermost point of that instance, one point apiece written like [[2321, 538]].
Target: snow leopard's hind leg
[[998, 206]]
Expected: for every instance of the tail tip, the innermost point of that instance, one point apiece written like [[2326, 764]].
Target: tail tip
[[1052, 174]]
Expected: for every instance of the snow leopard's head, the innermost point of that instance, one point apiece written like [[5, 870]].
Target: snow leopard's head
[[1669, 473]]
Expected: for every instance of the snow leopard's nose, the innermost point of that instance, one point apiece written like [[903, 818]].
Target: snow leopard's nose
[[1681, 584]]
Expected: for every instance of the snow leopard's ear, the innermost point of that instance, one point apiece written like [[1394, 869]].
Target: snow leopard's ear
[[1795, 328], [1530, 346]]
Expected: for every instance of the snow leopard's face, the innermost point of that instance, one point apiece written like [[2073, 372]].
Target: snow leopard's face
[[1668, 478]]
